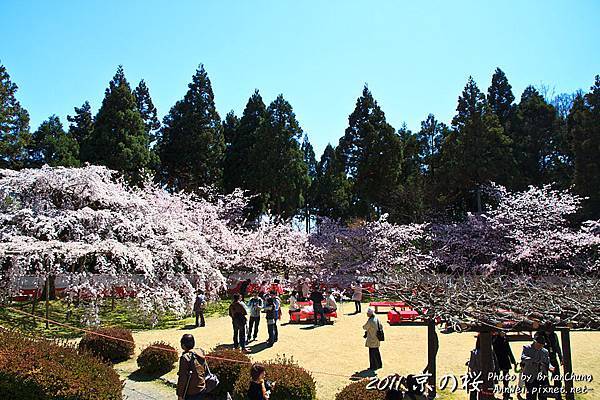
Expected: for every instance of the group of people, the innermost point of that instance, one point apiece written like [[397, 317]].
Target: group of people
[[246, 318], [539, 361]]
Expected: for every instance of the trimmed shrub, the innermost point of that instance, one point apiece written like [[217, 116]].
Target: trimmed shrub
[[228, 372], [358, 391], [32, 369], [99, 343], [158, 358], [293, 381]]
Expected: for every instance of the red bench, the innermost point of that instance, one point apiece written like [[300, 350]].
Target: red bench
[[396, 317], [389, 304], [306, 314]]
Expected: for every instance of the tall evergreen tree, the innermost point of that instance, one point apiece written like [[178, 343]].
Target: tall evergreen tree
[[119, 139], [231, 124], [331, 190], [430, 139], [51, 145], [500, 97], [535, 134], [282, 173], [147, 110], [243, 155], [584, 121], [371, 153], [407, 202], [475, 152], [308, 155], [14, 125], [192, 145], [81, 125]]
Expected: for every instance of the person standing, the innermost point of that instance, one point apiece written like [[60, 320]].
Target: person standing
[[372, 340], [238, 313], [271, 316], [505, 358], [475, 366], [317, 299], [306, 289], [255, 304], [330, 303], [199, 307], [357, 295], [192, 366], [555, 354], [535, 363]]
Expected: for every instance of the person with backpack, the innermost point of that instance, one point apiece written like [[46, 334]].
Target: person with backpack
[[199, 307], [373, 336], [317, 301], [238, 313], [195, 381]]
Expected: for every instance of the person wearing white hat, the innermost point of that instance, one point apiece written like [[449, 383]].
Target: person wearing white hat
[[372, 336]]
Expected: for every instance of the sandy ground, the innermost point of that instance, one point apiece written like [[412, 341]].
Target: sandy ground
[[334, 353]]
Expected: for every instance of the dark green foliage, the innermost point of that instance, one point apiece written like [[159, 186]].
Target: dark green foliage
[[243, 150], [100, 342], [535, 136], [81, 125], [500, 97], [51, 145], [230, 126], [308, 154], [147, 110], [358, 391], [14, 125], [476, 152], [192, 146], [44, 370], [119, 139], [371, 153], [158, 358], [227, 371], [407, 201], [584, 129], [282, 175], [331, 190], [293, 382]]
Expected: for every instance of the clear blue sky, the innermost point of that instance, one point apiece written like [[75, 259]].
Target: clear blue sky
[[415, 56]]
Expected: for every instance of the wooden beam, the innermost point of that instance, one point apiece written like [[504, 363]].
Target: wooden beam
[[433, 345], [568, 364]]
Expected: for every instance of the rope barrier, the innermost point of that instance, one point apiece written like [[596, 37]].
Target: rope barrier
[[150, 346]]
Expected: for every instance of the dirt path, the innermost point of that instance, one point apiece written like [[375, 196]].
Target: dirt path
[[335, 352]]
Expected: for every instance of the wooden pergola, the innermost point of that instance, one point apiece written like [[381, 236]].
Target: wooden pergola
[[488, 304]]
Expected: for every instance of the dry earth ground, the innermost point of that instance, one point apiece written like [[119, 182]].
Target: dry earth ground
[[339, 350]]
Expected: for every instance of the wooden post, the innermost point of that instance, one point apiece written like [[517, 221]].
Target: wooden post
[[432, 349], [47, 300], [568, 365], [485, 346]]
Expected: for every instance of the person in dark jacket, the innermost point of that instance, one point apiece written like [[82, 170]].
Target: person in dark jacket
[[271, 316], [555, 353], [238, 313], [260, 388], [505, 358], [244, 288], [317, 299]]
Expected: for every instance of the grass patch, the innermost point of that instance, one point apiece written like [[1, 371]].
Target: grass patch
[[122, 314]]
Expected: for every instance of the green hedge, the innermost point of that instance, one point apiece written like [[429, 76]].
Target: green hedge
[[99, 343], [227, 371], [293, 381], [36, 369], [358, 391], [158, 358]]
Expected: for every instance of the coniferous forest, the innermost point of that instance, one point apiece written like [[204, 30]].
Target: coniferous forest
[[439, 171]]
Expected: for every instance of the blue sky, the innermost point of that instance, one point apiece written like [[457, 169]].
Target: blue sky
[[415, 56]]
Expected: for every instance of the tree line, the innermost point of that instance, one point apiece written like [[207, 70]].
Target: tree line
[[438, 171]]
